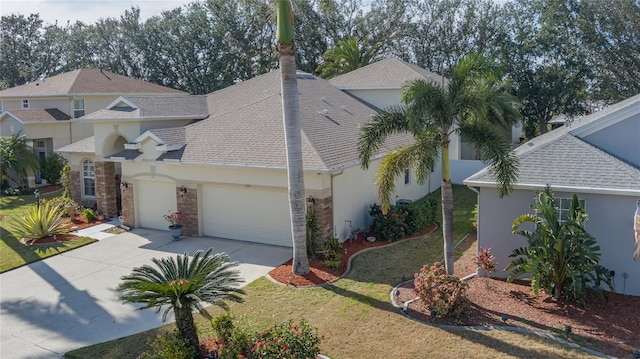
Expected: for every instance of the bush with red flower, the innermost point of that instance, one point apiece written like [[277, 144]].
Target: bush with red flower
[[175, 219], [288, 340]]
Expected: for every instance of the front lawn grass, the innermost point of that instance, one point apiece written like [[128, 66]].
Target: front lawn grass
[[14, 254], [355, 315]]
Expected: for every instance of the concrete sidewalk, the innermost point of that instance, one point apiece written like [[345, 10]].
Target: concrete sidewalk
[[68, 301]]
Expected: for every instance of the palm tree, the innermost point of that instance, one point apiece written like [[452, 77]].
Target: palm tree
[[292, 132], [16, 156], [347, 55], [182, 285], [472, 104]]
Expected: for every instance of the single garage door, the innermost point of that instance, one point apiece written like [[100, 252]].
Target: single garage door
[[155, 199], [248, 214]]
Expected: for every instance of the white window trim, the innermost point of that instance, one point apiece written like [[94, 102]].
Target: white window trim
[[407, 176], [25, 104], [91, 176], [83, 109]]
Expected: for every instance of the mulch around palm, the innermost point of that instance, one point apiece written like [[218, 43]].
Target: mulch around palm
[[609, 326]]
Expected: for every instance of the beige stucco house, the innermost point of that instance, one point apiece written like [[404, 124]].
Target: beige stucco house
[[49, 111], [220, 159]]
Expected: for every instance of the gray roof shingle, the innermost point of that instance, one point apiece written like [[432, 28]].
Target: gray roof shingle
[[246, 127], [560, 159], [390, 72], [128, 155], [86, 81], [182, 106], [39, 115], [87, 145]]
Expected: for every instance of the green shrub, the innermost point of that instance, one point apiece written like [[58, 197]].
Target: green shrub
[[334, 249], [223, 327], [403, 220], [61, 203], [38, 222], [287, 340], [561, 257], [51, 168], [168, 346], [240, 343], [444, 294], [313, 233], [89, 214]]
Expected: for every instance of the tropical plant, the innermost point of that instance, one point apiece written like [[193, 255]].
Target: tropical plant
[[560, 256], [348, 54], [65, 180], [182, 284], [51, 168], [222, 326], [443, 294], [169, 346], [61, 203], [16, 156], [485, 261], [38, 222], [313, 232], [287, 340], [333, 248], [293, 134], [89, 214], [472, 104]]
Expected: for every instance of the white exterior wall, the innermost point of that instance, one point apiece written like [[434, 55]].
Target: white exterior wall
[[9, 125], [463, 169], [610, 222], [354, 191], [379, 98]]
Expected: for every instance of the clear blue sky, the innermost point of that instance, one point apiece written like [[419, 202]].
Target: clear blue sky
[[87, 11]]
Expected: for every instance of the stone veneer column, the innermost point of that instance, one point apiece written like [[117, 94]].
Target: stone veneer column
[[106, 187], [76, 186], [324, 211], [128, 209], [188, 205]]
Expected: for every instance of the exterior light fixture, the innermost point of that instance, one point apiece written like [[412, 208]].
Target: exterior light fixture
[[567, 329], [123, 186], [505, 318], [183, 191]]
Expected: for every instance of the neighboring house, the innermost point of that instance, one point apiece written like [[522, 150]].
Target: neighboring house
[[49, 111], [596, 157], [221, 159], [380, 84]]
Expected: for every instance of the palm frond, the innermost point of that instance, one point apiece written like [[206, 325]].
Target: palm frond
[[374, 133], [391, 167]]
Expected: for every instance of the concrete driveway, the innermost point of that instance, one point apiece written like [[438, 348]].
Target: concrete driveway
[[68, 301]]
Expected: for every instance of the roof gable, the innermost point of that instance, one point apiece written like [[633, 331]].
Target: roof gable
[[387, 73]]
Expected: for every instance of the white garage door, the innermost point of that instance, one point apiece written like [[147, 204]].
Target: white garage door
[[155, 199], [248, 214]]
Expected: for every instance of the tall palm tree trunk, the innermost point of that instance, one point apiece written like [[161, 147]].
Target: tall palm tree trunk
[[293, 136], [447, 209], [187, 327]]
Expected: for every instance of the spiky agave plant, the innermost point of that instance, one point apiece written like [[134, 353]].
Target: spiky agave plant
[[38, 222], [181, 284]]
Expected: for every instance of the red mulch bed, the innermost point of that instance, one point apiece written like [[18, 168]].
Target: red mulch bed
[[609, 326], [320, 273]]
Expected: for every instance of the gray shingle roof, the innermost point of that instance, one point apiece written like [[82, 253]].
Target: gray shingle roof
[[171, 136], [560, 159], [126, 154], [390, 72], [182, 106], [86, 81], [246, 128], [40, 115], [87, 145]]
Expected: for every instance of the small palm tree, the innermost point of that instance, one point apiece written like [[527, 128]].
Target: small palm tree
[[472, 104], [347, 55], [17, 157], [182, 284]]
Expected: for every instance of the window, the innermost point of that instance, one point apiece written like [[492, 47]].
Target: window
[[407, 176], [25, 104], [40, 144], [0, 106], [78, 108], [88, 178], [563, 207]]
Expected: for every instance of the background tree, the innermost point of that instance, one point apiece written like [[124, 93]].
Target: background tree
[[51, 168], [544, 56], [182, 284], [16, 157], [561, 257], [474, 104], [348, 54], [293, 134]]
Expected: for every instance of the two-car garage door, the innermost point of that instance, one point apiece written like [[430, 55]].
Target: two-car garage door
[[246, 213]]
